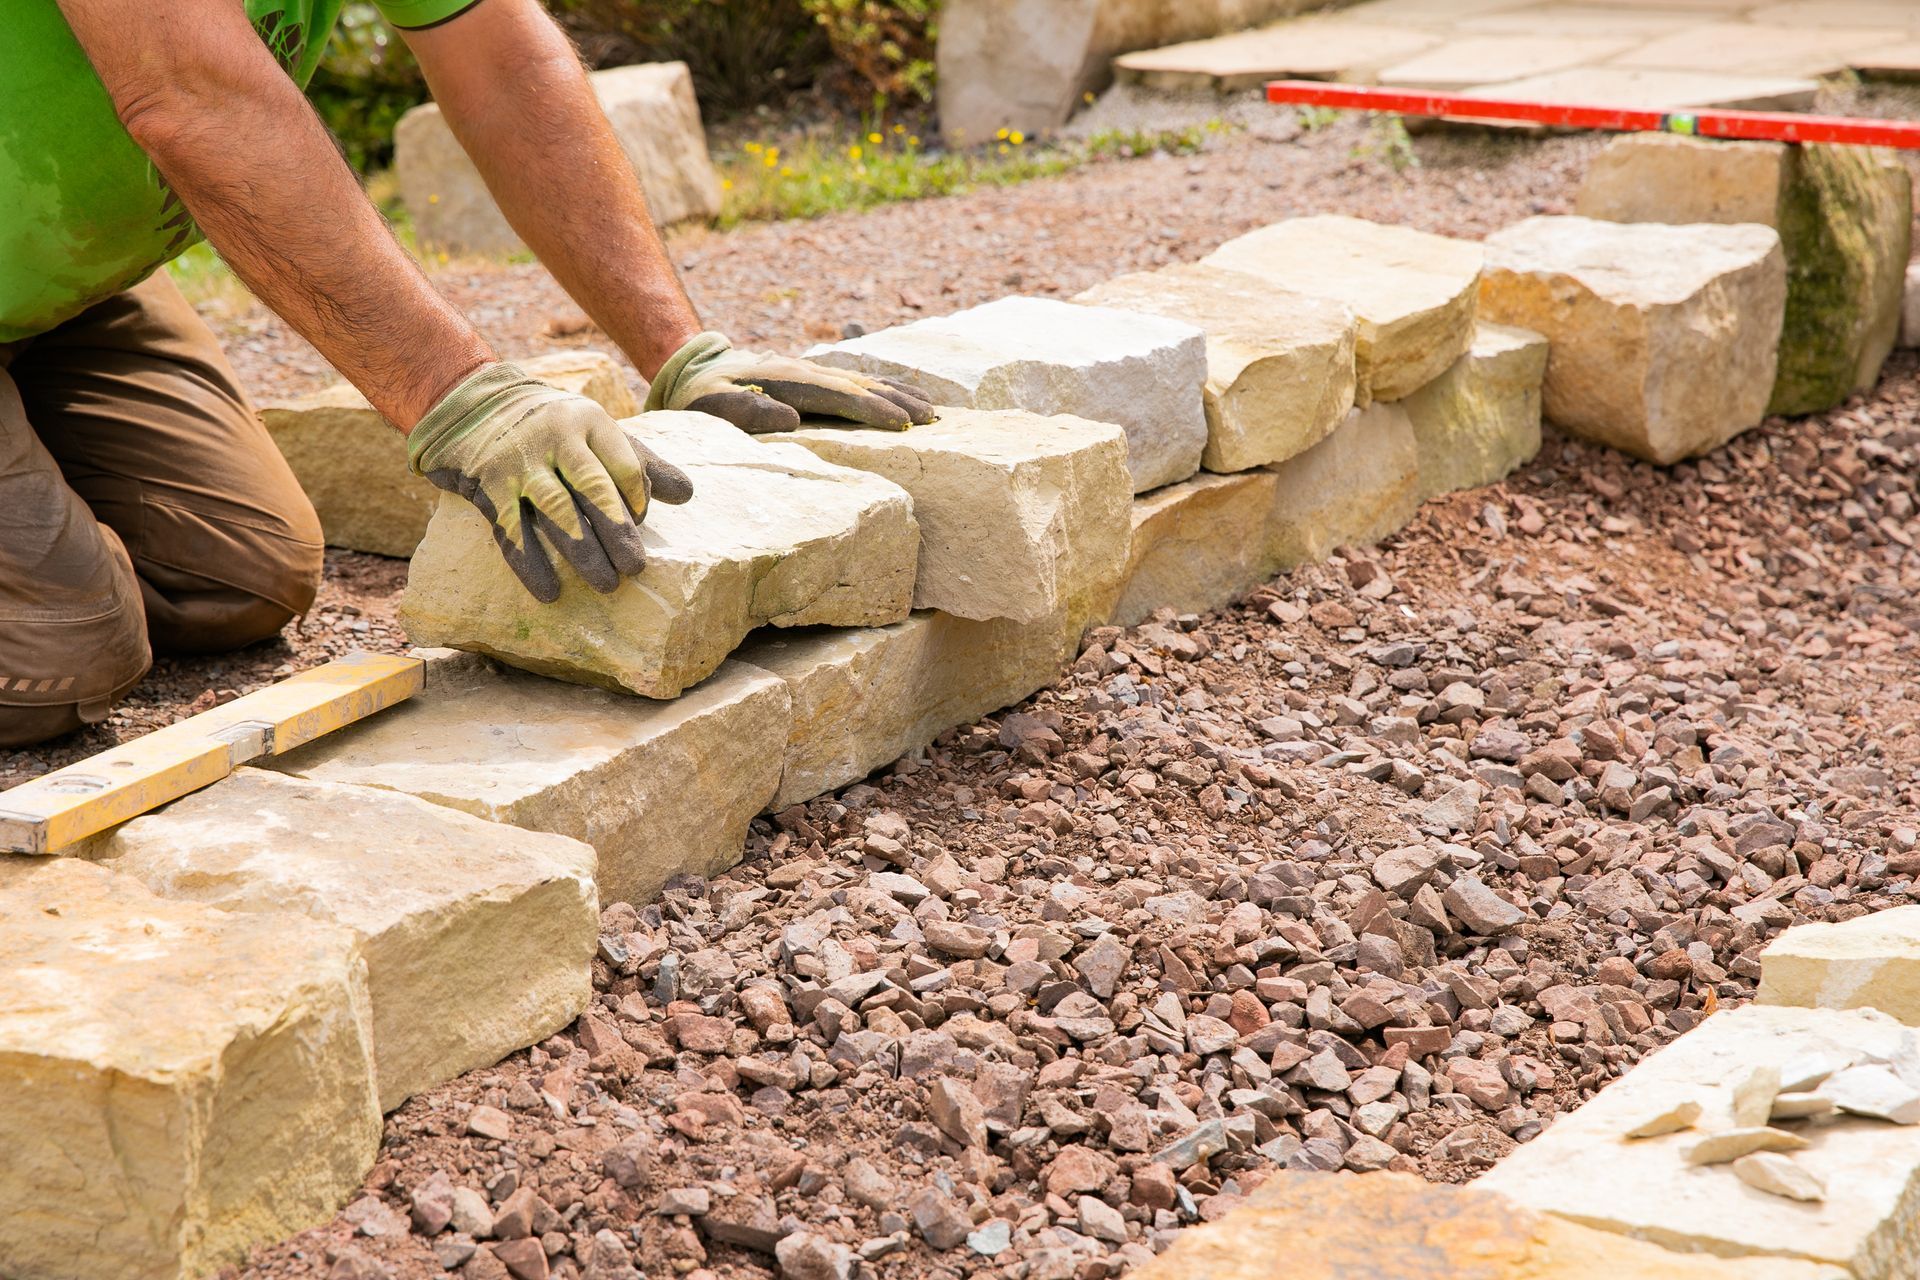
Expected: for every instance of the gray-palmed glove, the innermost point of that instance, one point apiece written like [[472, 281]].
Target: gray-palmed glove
[[550, 470], [759, 394]]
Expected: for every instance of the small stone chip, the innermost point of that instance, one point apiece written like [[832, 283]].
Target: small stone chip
[[1753, 1097], [1731, 1144], [1681, 1115], [490, 1122], [1777, 1175], [1876, 1092]]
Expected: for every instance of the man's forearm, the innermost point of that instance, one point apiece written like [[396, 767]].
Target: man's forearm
[[254, 166], [526, 113]]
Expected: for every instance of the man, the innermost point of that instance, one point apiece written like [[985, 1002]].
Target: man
[[141, 502]]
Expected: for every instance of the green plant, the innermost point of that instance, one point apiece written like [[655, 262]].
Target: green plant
[[1388, 140], [365, 82], [742, 53], [884, 46], [1314, 119]]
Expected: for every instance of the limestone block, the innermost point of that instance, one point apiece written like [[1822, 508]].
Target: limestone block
[[353, 463], [1869, 962], [1142, 373], [1017, 512], [658, 788], [1844, 215], [1663, 339], [1480, 419], [1582, 1168], [1198, 544], [477, 937], [1280, 366], [1412, 293], [1652, 89], [181, 1083], [654, 115], [1399, 1226], [865, 698], [773, 536], [1355, 487]]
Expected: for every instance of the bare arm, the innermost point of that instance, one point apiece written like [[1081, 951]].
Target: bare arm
[[239, 145], [513, 92]]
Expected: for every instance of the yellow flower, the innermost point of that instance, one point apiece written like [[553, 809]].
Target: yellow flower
[[1005, 150], [785, 172], [754, 148], [875, 139], [1016, 137], [773, 158], [899, 128], [913, 139], [853, 152], [434, 198], [726, 184], [1002, 135]]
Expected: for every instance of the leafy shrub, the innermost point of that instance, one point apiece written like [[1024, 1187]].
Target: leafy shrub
[[884, 47], [741, 52], [366, 81]]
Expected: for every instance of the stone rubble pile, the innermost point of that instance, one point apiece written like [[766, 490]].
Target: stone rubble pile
[[834, 600]]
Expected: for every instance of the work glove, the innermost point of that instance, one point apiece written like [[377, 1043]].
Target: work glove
[[551, 471], [759, 394]]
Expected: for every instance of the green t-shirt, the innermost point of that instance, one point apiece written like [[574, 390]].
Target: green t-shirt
[[83, 212]]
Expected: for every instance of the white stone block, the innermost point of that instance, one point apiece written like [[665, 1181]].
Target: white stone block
[[181, 1083], [1480, 419], [1412, 293], [658, 788], [1142, 373], [477, 937], [1018, 513], [1664, 339], [773, 536], [1354, 488], [1280, 365], [1869, 962], [1198, 544], [352, 462], [1582, 1167], [1910, 311]]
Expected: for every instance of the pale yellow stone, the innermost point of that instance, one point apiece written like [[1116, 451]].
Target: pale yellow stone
[[477, 937], [1355, 487], [1412, 293], [658, 788], [1655, 177], [1017, 512], [1757, 48], [1394, 1226], [1663, 340], [1280, 366], [1198, 545], [1474, 60], [1650, 89], [1869, 962], [1480, 419], [1317, 50], [353, 463], [181, 1084], [1581, 1168], [773, 536], [865, 698]]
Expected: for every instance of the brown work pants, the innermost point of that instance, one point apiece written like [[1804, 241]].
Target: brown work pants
[[142, 507]]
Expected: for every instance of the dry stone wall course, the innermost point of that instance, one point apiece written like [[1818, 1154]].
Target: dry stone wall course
[[476, 936], [1663, 340], [1355, 487], [181, 1083], [1197, 544], [1480, 419]]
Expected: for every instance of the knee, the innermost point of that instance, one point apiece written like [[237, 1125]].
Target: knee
[[66, 673]]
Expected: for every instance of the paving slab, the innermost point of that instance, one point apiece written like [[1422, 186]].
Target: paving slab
[[1568, 20], [1869, 962], [1198, 544], [1304, 50], [1474, 60], [864, 698], [477, 937], [1017, 512], [1583, 1169], [1757, 49], [1652, 89], [1143, 373], [1280, 366], [353, 463], [1354, 488], [1843, 13], [1396, 1226], [181, 1083], [1412, 293], [1480, 419], [1664, 339], [658, 788], [1896, 62], [774, 536]]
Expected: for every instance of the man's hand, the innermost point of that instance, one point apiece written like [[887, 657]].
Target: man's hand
[[549, 470], [761, 394]]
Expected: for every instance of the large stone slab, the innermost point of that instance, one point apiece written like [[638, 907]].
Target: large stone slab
[[477, 937], [654, 115], [1480, 419], [181, 1083], [1869, 962], [658, 788], [1758, 48], [353, 463], [1143, 373], [1664, 340], [1651, 89], [865, 698], [774, 536], [1017, 512], [1397, 1226], [1412, 293], [1355, 487], [1474, 60], [1332, 49], [1845, 218], [1280, 366], [1198, 544], [1584, 1170]]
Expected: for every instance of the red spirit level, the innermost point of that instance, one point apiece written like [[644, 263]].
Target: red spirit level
[[1764, 126]]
